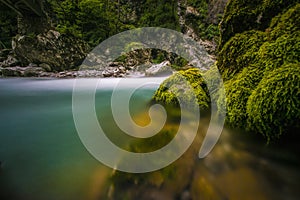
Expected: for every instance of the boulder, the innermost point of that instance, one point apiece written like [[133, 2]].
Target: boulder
[[59, 52], [10, 61], [163, 68]]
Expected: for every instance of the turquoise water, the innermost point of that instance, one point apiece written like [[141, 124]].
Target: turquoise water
[[42, 156]]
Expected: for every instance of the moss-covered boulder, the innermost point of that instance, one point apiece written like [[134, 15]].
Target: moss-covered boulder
[[244, 15], [239, 52], [259, 64], [237, 93], [285, 23], [178, 85], [273, 107], [246, 62]]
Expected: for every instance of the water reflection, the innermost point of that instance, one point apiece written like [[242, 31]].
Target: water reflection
[[241, 166], [43, 158]]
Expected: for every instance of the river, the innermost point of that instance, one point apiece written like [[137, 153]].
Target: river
[[42, 156]]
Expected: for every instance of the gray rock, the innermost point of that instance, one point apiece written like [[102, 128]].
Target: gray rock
[[61, 52], [10, 62], [33, 71], [163, 68], [46, 67], [12, 71]]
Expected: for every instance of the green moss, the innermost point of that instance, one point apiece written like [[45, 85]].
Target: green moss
[[286, 23], [285, 49], [259, 67], [239, 52], [237, 93], [247, 60], [279, 44], [273, 107], [176, 86], [244, 15]]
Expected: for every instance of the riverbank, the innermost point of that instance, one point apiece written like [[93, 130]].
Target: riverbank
[[149, 70]]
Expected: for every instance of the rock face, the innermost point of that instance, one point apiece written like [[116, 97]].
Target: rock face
[[58, 52], [215, 10], [199, 20]]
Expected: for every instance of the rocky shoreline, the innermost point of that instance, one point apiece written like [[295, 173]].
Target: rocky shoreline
[[52, 55], [114, 69]]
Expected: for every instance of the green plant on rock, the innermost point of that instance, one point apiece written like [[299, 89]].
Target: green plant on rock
[[237, 93], [273, 107], [285, 49], [176, 86], [244, 15], [239, 52], [286, 23], [255, 81]]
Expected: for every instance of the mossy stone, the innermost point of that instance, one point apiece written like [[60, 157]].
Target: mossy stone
[[273, 107], [237, 93], [239, 52], [176, 86], [244, 15]]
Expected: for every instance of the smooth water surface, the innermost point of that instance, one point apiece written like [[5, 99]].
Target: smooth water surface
[[42, 156]]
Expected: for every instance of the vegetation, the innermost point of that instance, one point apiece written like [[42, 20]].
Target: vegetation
[[239, 52], [96, 20], [185, 85], [273, 106], [248, 73], [244, 15], [8, 26], [259, 62]]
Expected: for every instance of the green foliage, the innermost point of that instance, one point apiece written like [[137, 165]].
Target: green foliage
[[285, 49], [244, 15], [269, 49], [8, 26], [85, 19], [285, 23], [96, 20], [273, 107], [159, 14], [176, 86], [158, 56]]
